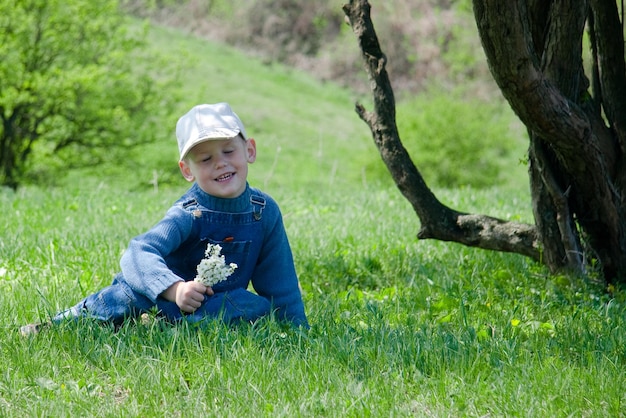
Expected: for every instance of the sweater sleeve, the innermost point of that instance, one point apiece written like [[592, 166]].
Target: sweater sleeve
[[275, 276], [143, 263]]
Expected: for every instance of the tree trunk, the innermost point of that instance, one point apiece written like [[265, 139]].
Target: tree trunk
[[574, 155], [577, 174]]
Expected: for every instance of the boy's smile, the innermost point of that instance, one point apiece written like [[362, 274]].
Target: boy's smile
[[225, 177], [220, 166]]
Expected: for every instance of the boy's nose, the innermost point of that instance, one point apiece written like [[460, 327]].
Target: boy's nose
[[220, 162]]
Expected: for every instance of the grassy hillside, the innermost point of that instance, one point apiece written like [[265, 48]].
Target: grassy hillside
[[307, 132]]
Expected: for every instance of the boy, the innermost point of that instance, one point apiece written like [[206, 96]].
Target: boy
[[158, 268]]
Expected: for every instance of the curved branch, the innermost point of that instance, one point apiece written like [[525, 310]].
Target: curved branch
[[437, 220]]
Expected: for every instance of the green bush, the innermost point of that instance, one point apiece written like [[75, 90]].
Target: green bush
[[456, 142], [76, 87]]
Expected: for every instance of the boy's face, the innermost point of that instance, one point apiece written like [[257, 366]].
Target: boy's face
[[220, 166]]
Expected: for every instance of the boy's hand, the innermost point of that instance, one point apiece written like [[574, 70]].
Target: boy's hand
[[187, 295]]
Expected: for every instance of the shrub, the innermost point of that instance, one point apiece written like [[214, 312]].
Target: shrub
[[72, 90], [456, 142]]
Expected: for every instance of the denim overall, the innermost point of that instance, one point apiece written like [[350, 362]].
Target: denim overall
[[241, 237]]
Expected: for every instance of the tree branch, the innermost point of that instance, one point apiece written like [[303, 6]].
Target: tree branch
[[437, 220]]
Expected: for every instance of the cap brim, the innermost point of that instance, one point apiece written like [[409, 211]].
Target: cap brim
[[213, 136]]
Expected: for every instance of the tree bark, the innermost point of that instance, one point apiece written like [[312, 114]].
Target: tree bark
[[549, 94]]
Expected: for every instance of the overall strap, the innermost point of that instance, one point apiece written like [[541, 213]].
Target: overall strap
[[258, 203], [192, 203]]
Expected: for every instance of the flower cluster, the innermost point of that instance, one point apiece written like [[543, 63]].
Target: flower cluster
[[213, 269]]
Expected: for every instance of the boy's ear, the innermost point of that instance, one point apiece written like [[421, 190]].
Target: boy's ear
[[251, 150], [186, 171]]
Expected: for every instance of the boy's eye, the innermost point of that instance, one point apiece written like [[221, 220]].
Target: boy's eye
[[228, 151]]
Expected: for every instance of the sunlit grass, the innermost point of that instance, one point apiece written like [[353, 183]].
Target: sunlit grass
[[399, 326]]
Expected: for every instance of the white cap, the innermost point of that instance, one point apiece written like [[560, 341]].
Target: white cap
[[206, 122]]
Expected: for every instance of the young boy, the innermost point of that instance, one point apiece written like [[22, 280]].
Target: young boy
[[159, 266]]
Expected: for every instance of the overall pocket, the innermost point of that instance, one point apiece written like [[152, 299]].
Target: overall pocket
[[236, 252]]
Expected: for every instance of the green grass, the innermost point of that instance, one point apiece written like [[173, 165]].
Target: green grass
[[400, 327]]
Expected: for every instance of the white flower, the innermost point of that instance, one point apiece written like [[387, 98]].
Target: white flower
[[213, 269]]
